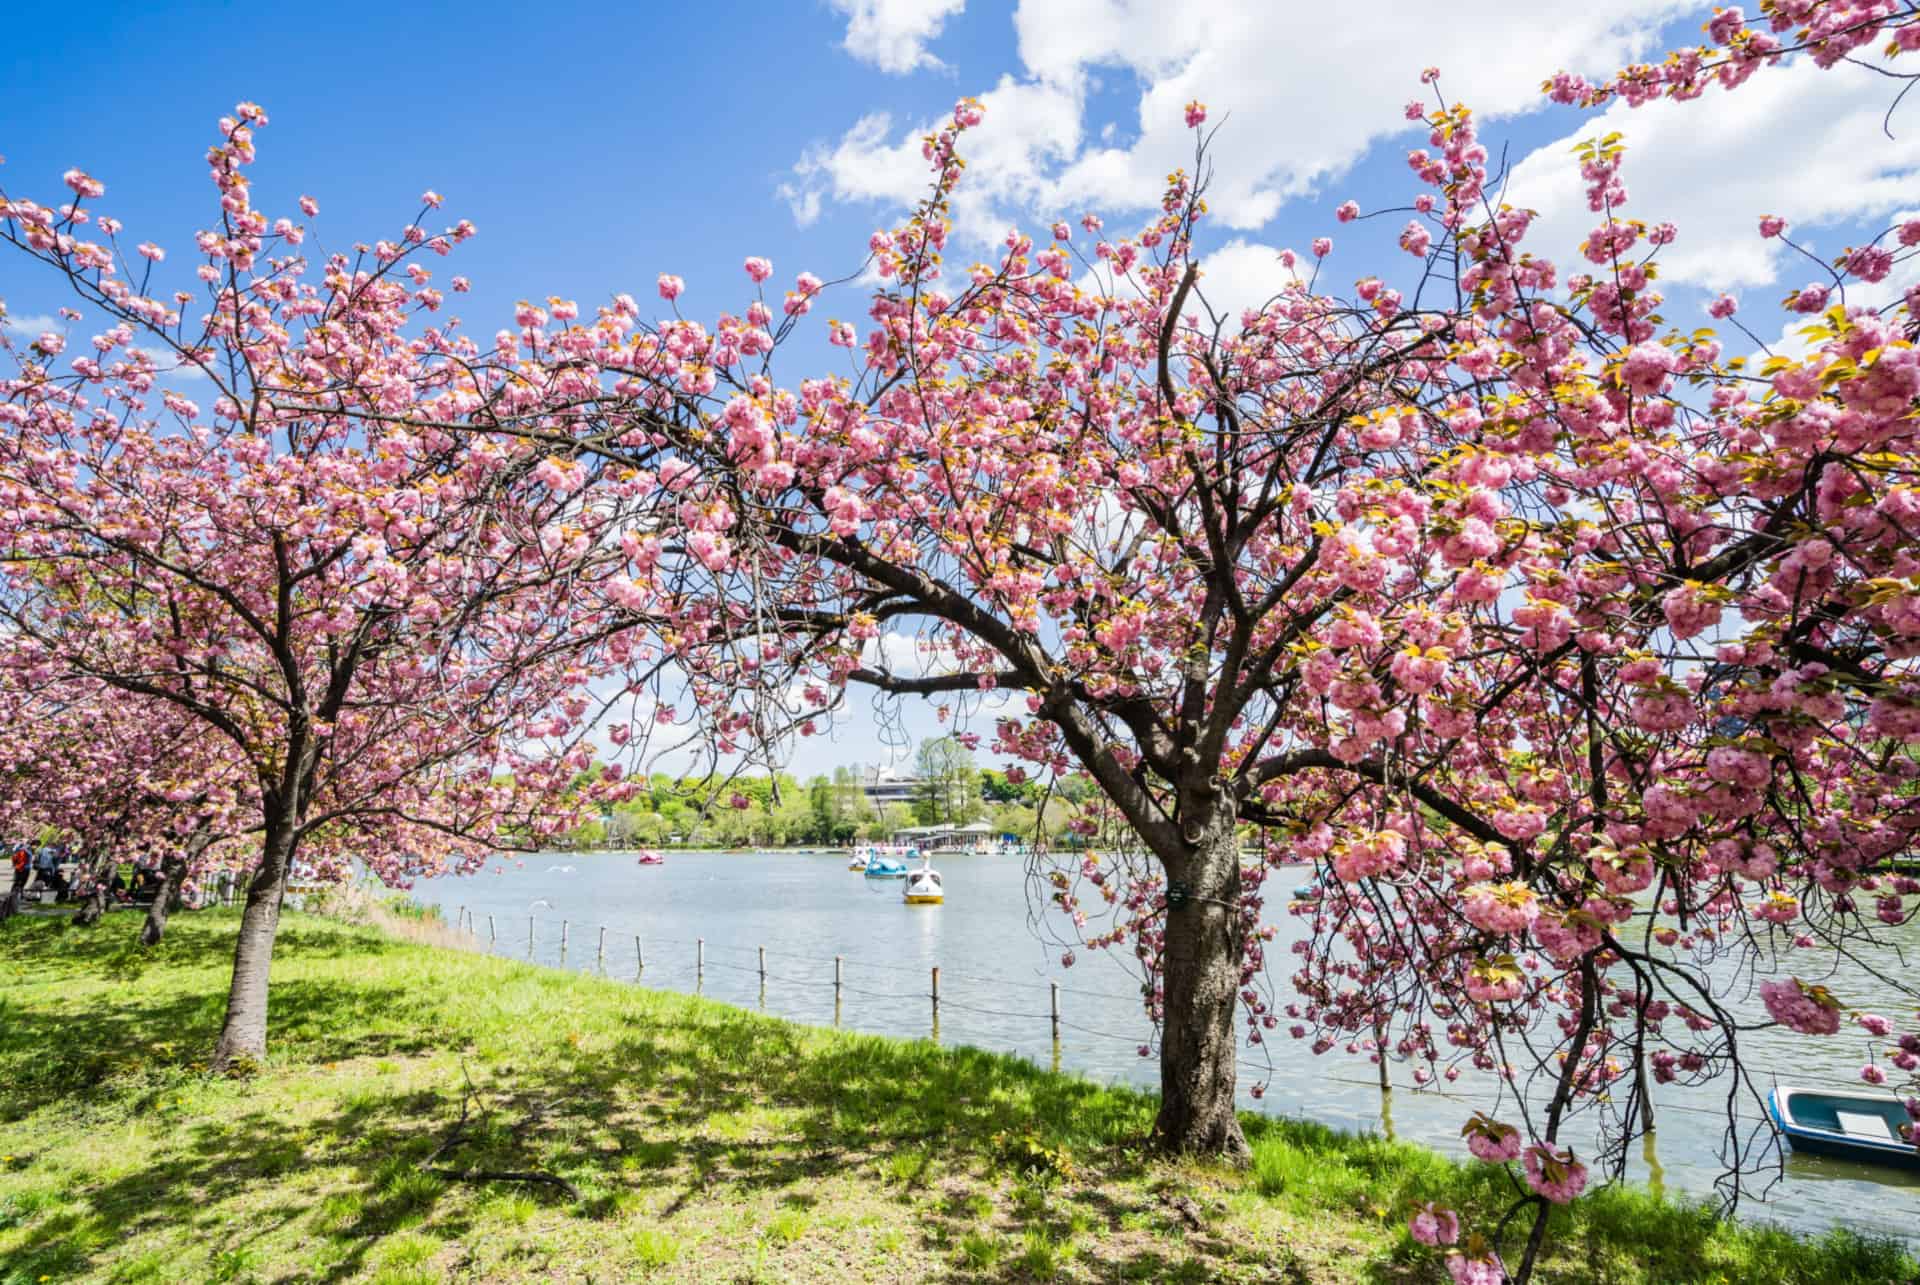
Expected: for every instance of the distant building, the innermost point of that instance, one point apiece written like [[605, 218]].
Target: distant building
[[882, 785], [978, 837]]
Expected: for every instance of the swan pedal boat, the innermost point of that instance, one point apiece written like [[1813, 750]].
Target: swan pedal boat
[[923, 888], [884, 863]]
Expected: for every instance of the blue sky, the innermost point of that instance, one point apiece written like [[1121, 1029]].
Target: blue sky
[[594, 150], [597, 147]]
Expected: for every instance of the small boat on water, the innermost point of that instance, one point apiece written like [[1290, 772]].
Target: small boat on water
[[858, 861], [1851, 1126], [884, 862], [923, 886], [652, 859]]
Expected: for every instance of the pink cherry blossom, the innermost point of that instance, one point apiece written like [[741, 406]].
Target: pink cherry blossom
[[1433, 1225], [1807, 1009], [1554, 1173], [1492, 1141]]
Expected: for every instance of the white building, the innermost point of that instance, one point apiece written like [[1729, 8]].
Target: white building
[[883, 785], [978, 837]]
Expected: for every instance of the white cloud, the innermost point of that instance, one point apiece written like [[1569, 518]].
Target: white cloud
[[905, 655], [862, 167], [1242, 275], [1302, 99], [1798, 142], [893, 34], [1030, 130], [1234, 278], [182, 372], [33, 324]]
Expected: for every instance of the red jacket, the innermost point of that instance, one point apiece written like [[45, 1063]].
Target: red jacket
[[20, 860]]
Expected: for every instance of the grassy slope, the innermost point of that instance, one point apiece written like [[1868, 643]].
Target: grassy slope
[[706, 1144]]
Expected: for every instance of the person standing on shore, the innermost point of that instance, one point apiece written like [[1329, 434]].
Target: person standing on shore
[[22, 871], [47, 863]]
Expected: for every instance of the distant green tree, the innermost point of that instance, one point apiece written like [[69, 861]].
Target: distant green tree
[[857, 817], [898, 816], [949, 782], [823, 807], [996, 788]]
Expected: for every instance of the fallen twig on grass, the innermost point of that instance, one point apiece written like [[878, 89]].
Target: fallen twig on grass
[[504, 1175], [453, 1138]]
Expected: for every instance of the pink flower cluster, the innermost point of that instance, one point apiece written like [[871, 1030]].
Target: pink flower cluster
[[1370, 856], [1491, 1140], [1810, 1010], [1433, 1224], [1554, 1174], [1500, 907]]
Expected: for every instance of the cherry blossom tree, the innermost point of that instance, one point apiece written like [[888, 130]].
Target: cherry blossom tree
[[376, 616], [1569, 647], [1574, 651], [107, 775]]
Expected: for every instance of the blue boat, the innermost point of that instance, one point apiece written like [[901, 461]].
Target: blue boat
[[880, 862], [1851, 1126]]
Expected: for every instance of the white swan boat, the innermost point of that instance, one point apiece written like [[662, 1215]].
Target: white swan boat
[[923, 886]]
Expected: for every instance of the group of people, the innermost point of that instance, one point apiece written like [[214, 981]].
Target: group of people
[[40, 864], [44, 867]]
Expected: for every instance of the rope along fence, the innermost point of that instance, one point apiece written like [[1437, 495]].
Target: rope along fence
[[651, 967], [555, 940], [818, 975]]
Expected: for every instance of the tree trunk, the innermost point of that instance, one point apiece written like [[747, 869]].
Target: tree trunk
[[244, 1037], [173, 872], [97, 875], [1201, 969]]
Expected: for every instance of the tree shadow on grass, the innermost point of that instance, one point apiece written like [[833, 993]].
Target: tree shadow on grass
[[607, 1120], [688, 1102], [68, 1053]]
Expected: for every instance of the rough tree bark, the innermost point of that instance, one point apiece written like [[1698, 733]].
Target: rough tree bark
[[244, 1036], [96, 875], [173, 872], [1201, 972]]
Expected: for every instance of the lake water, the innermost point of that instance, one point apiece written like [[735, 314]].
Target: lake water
[[996, 964]]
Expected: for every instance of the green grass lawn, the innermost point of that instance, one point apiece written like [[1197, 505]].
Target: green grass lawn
[[702, 1143]]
